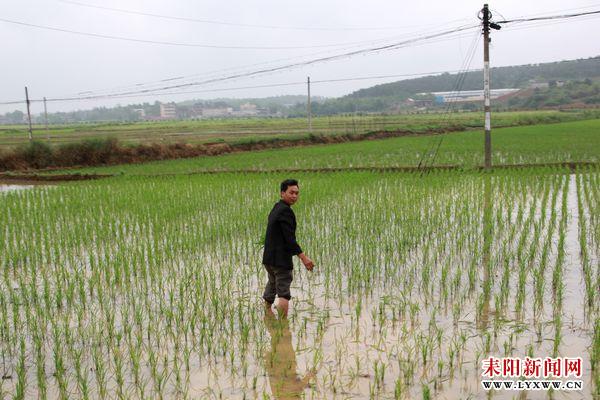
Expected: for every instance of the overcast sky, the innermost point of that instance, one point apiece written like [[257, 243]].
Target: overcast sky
[[57, 64]]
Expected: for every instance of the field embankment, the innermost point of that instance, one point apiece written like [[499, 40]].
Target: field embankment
[[574, 142], [98, 150]]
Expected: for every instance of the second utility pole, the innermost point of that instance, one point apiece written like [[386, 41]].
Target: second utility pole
[[28, 113], [46, 115], [308, 110]]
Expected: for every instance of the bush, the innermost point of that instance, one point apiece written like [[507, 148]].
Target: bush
[[89, 152], [36, 154]]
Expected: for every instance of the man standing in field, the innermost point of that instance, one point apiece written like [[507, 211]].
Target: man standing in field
[[280, 247]]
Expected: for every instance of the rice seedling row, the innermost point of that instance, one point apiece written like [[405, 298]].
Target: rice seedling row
[[149, 287]]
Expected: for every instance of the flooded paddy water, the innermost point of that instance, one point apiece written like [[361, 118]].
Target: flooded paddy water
[[10, 187], [150, 287]]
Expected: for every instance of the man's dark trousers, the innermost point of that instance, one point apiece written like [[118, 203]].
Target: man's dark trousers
[[280, 247]]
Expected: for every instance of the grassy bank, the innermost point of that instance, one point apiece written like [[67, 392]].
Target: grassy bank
[[258, 129], [552, 143]]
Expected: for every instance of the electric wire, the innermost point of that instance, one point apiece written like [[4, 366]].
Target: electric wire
[[169, 43], [298, 83], [322, 59], [539, 24], [550, 17], [316, 82], [243, 75], [519, 20], [216, 73], [526, 26], [227, 23], [457, 86], [430, 153], [288, 66], [458, 90]]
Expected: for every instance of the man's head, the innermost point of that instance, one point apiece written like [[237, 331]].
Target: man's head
[[289, 191]]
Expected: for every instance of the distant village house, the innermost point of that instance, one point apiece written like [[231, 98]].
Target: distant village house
[[168, 111]]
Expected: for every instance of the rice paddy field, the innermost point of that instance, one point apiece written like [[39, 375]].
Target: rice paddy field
[[149, 286], [550, 143], [256, 129]]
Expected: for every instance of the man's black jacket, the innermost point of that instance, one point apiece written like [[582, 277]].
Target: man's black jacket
[[280, 240]]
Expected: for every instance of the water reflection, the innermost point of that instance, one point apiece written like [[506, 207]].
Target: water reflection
[[10, 188], [280, 361], [488, 234]]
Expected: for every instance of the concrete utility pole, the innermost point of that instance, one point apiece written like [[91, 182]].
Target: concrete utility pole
[[46, 115], [486, 83], [308, 110], [28, 113], [486, 87]]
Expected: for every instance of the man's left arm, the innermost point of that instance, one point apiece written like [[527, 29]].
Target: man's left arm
[[286, 221]]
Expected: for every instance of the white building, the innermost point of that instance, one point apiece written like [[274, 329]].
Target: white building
[[468, 95], [216, 112], [168, 111]]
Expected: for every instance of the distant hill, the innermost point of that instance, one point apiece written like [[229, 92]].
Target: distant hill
[[573, 83], [502, 77]]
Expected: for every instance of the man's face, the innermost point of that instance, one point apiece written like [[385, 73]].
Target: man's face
[[290, 196]]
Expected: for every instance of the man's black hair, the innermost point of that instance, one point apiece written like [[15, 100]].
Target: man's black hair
[[287, 183]]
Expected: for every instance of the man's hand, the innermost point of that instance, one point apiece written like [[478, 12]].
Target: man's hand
[[308, 263]]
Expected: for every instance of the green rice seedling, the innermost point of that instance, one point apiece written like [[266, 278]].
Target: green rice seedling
[[595, 355], [40, 367], [82, 375], [426, 392], [21, 373], [379, 374], [100, 373], [557, 334], [398, 389]]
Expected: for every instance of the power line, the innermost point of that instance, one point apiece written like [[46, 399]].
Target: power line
[[305, 63], [157, 90], [429, 155], [261, 86], [359, 78], [295, 65], [520, 27], [168, 43], [240, 68], [227, 23], [563, 16], [538, 24]]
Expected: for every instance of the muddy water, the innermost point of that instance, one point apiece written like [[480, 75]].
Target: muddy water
[[351, 351], [331, 350], [363, 345]]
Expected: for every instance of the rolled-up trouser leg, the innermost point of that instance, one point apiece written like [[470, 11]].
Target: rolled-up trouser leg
[[280, 280]]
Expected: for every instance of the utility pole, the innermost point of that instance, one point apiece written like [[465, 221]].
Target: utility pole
[[46, 115], [486, 87], [486, 83], [308, 110], [28, 113]]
